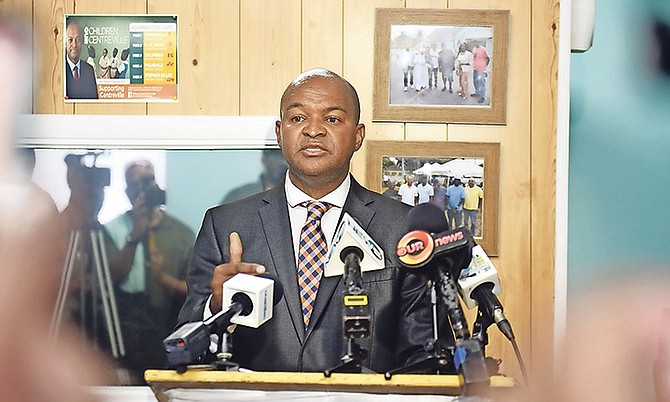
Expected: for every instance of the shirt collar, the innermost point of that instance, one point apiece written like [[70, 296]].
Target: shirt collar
[[73, 64], [336, 198]]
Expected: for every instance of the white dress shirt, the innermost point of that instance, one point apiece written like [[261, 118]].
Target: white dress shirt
[[297, 214]]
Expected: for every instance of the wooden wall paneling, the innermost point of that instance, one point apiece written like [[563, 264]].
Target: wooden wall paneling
[[16, 8], [270, 47], [321, 38], [22, 10], [544, 80], [514, 260], [208, 56], [110, 7], [426, 131], [359, 34], [49, 56]]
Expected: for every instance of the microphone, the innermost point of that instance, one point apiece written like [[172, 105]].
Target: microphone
[[257, 295], [479, 284], [430, 237], [350, 234], [441, 251], [247, 301], [436, 254], [478, 281], [356, 309]]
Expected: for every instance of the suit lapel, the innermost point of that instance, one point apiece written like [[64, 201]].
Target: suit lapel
[[357, 206], [275, 223]]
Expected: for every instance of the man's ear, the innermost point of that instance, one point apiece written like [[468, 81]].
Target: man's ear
[[360, 136], [278, 132]]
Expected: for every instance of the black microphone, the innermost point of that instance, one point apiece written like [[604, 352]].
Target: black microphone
[[429, 237], [434, 249], [430, 246], [427, 217], [192, 339], [356, 309]]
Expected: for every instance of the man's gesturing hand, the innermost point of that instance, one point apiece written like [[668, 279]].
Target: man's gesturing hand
[[226, 271]]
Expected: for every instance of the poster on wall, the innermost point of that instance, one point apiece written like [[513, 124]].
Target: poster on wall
[[120, 58]]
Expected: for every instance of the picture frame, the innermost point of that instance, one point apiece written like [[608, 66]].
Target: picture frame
[[442, 50], [381, 155], [120, 58]]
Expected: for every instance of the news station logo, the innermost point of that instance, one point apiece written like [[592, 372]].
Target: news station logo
[[415, 248]]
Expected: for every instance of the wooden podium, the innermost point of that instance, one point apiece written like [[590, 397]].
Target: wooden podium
[[162, 381]]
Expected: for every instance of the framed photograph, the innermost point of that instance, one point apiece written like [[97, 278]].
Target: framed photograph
[[463, 177], [441, 66]]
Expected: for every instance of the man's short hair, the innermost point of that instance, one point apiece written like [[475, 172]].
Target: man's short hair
[[138, 163]]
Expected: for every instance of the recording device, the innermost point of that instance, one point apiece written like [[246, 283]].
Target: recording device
[[454, 252], [247, 296], [86, 165], [154, 196], [350, 233], [356, 308], [478, 281], [437, 255], [479, 284], [259, 294], [440, 254], [352, 250], [418, 248]]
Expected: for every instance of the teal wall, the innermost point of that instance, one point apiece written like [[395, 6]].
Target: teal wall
[[619, 179], [202, 178]]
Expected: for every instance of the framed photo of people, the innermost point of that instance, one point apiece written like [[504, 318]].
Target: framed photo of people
[[462, 178], [441, 65]]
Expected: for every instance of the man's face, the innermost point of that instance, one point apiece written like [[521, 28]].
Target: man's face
[[471, 183], [74, 41], [137, 179], [318, 133]]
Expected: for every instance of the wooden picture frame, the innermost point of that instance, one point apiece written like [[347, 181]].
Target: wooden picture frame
[[418, 153], [410, 43]]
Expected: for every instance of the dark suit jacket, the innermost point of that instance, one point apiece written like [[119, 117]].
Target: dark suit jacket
[[85, 88], [400, 307]]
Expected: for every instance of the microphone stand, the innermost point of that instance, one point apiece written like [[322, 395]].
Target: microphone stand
[[469, 353], [356, 316], [481, 326], [224, 354]]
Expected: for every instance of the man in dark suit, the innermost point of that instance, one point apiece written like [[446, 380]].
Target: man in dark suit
[[318, 133], [79, 76]]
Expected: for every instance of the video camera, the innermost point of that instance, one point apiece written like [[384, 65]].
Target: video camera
[[85, 163]]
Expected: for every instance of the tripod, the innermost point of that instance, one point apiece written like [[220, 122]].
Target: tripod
[[89, 245]]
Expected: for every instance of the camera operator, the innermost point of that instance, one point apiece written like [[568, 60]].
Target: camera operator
[[148, 263]]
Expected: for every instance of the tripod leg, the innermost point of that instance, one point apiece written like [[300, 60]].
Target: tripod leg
[[110, 289], [57, 317], [104, 295]]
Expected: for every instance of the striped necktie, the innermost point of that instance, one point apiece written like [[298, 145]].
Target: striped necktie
[[312, 251], [76, 73]]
